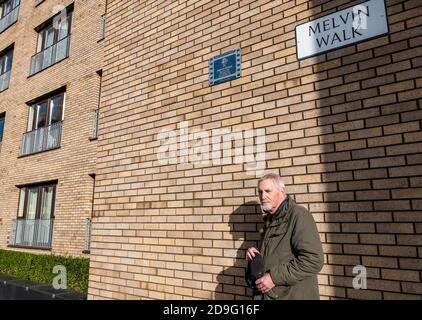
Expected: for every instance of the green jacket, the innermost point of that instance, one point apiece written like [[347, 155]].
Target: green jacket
[[292, 252]]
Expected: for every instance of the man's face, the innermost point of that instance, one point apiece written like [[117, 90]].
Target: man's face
[[269, 195]]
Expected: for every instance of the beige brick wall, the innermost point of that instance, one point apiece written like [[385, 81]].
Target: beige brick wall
[[76, 158], [343, 129]]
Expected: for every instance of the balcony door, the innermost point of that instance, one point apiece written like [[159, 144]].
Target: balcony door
[[44, 122], [46, 112], [35, 214]]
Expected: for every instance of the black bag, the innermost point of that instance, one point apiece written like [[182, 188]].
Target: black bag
[[255, 270]]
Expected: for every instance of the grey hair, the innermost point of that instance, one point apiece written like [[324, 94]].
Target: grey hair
[[278, 182]]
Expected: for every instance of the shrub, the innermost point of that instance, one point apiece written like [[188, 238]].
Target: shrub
[[39, 268]]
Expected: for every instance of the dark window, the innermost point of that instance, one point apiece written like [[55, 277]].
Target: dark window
[[37, 202], [46, 112], [2, 117], [7, 6], [6, 62]]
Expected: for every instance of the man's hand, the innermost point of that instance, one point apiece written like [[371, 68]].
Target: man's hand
[[265, 283], [250, 254]]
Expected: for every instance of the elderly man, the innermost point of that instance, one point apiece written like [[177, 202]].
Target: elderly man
[[290, 246]]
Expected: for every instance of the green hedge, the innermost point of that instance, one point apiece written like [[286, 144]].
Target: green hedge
[[39, 268]]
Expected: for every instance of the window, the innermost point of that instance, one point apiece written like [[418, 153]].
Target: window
[[46, 112], [7, 7], [2, 117], [53, 43], [9, 11], [45, 123], [37, 202], [5, 66], [53, 34], [34, 224]]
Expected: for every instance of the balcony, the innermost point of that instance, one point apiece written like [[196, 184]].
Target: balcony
[[36, 233], [9, 19], [50, 56], [42, 139], [4, 81]]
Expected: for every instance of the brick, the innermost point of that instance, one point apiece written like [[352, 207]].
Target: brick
[[407, 216], [379, 262], [411, 264], [391, 183], [360, 249], [382, 120], [399, 128], [406, 54], [356, 206], [400, 296], [413, 115], [368, 153], [394, 228], [403, 107], [348, 126], [365, 133], [397, 251], [387, 162], [370, 174], [377, 239], [363, 294], [412, 287], [374, 216], [334, 137], [405, 171], [403, 149], [394, 67], [350, 145], [392, 205], [355, 185], [410, 95], [407, 193], [415, 240], [378, 81], [375, 62], [342, 238], [343, 259], [356, 76], [372, 195]]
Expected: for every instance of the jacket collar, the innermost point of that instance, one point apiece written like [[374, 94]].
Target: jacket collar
[[281, 213]]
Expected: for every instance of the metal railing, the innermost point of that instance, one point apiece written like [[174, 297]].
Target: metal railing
[[42, 139], [10, 18], [88, 228], [94, 133], [50, 56], [36, 233], [102, 26], [4, 81]]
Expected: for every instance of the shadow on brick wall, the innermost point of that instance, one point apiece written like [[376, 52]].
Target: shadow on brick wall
[[244, 224]]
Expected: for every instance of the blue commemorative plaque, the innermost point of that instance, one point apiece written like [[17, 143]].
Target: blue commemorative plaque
[[224, 67]]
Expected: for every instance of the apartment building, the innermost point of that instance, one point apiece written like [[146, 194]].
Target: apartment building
[[50, 78], [341, 125]]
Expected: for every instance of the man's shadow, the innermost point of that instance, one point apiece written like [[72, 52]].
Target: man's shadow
[[245, 223]]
